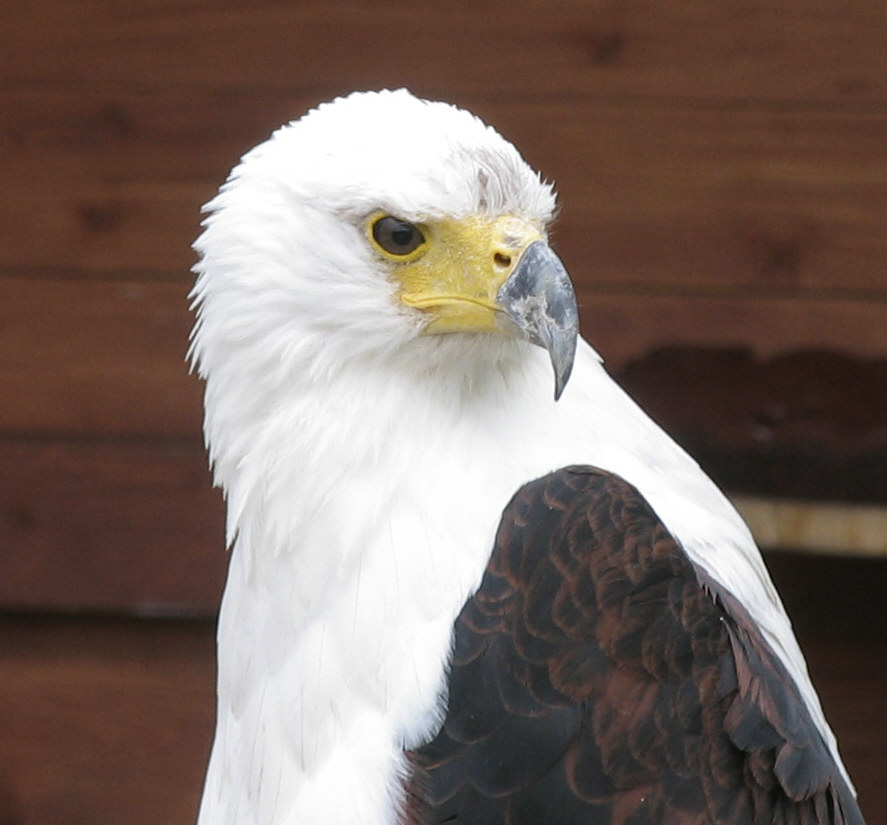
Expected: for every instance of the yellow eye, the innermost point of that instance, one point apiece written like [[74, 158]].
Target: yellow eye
[[396, 237]]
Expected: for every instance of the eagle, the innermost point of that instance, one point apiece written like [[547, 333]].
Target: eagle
[[455, 595]]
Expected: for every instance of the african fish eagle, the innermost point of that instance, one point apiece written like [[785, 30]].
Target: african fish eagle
[[453, 595]]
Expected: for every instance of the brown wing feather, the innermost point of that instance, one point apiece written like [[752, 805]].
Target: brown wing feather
[[599, 677]]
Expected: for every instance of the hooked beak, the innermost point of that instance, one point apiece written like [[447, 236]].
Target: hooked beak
[[540, 304], [489, 275]]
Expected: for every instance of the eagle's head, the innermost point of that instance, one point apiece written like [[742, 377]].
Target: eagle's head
[[376, 221]]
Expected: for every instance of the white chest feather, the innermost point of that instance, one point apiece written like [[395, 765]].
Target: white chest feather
[[350, 567], [348, 570]]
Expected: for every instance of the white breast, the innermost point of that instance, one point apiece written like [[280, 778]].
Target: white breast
[[350, 567]]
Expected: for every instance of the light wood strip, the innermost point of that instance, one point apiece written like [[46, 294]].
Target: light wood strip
[[816, 527]]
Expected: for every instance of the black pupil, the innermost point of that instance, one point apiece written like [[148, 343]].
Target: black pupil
[[402, 235], [396, 236]]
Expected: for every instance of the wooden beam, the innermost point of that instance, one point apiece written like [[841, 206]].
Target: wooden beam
[[128, 527], [109, 721], [134, 527], [671, 196], [831, 53], [96, 356], [104, 722], [834, 528], [107, 357]]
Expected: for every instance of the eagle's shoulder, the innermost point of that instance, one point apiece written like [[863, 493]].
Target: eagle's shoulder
[[600, 676]]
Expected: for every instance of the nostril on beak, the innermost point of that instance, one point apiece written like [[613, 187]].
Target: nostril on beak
[[502, 259]]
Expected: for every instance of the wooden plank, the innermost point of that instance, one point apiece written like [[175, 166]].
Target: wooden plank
[[104, 722], [624, 326], [96, 357], [675, 196], [107, 357], [91, 226], [804, 425], [753, 199], [836, 608], [134, 527], [109, 721], [112, 183], [816, 527], [759, 50], [109, 526]]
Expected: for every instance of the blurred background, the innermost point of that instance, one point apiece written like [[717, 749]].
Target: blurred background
[[722, 170]]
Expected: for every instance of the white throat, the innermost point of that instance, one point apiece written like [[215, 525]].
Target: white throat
[[344, 584]]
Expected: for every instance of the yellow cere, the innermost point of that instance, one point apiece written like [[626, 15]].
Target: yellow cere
[[455, 274]]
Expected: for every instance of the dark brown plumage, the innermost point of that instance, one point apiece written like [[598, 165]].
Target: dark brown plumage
[[600, 677]]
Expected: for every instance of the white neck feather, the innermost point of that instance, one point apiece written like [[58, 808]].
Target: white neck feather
[[344, 584]]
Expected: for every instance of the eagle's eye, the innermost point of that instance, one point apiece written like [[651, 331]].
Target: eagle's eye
[[396, 237]]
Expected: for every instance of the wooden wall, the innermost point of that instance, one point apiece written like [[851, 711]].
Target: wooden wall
[[722, 169]]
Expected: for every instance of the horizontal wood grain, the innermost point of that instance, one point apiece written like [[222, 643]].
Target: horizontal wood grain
[[127, 527], [720, 50], [134, 527], [816, 527], [623, 326], [723, 182], [711, 198], [807, 424], [96, 356], [107, 356], [111, 183], [104, 721]]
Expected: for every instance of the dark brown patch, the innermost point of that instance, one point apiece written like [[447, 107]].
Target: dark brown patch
[[600, 678]]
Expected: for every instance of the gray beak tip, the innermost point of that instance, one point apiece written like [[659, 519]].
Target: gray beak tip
[[540, 302], [560, 382]]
